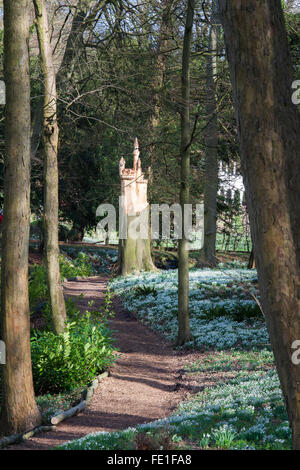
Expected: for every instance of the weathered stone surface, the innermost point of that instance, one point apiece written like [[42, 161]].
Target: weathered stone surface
[[134, 253]]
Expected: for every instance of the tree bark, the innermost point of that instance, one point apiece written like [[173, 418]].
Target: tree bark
[[158, 76], [269, 123], [251, 262], [66, 67], [135, 255], [211, 144], [50, 141], [183, 247], [19, 409]]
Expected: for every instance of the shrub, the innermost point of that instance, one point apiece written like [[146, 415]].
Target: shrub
[[38, 289], [80, 266], [62, 362]]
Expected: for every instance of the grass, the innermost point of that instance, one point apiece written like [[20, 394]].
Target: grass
[[233, 361]]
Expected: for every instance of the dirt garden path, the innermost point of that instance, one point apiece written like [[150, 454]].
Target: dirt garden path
[[144, 384]]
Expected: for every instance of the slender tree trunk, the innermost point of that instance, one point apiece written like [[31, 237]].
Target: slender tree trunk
[[67, 65], [19, 409], [158, 76], [269, 124], [50, 141], [183, 250], [211, 143], [251, 262]]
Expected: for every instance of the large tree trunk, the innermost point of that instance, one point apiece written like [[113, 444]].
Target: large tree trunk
[[211, 143], [183, 248], [134, 255], [269, 124], [19, 409], [50, 141]]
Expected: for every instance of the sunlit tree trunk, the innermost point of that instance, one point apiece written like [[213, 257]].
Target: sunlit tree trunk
[[19, 409], [50, 141], [183, 250], [269, 124]]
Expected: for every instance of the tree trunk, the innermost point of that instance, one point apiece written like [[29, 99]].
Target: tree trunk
[[251, 262], [269, 123], [19, 410], [158, 76], [135, 255], [183, 247], [66, 67], [50, 141], [211, 143]]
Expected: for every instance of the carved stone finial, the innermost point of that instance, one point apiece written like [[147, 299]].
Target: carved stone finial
[[139, 168], [136, 154], [121, 166]]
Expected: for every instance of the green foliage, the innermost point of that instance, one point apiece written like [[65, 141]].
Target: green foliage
[[51, 405], [63, 232], [87, 178], [240, 313], [80, 266], [38, 289], [224, 437], [62, 362], [232, 361], [105, 311], [99, 259], [143, 291]]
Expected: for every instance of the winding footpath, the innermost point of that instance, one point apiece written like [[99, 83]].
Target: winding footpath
[[143, 385]]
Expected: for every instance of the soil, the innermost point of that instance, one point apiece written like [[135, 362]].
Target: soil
[[146, 383]]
